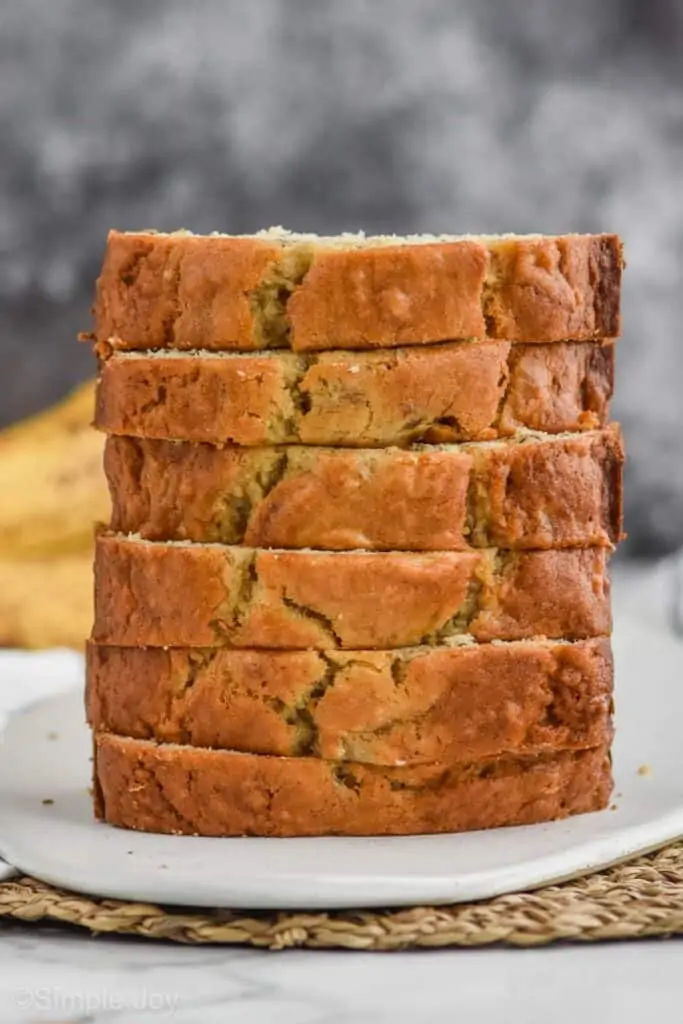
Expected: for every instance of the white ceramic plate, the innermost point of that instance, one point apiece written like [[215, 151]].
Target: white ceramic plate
[[45, 756]]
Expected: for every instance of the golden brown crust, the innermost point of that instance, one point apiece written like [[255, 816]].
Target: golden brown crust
[[558, 492], [193, 791], [536, 493], [550, 385], [452, 392], [412, 706], [564, 287], [181, 595], [221, 293], [164, 291]]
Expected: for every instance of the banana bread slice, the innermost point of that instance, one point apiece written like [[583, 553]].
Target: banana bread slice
[[535, 491], [451, 392], [189, 595], [194, 791], [411, 706], [277, 289]]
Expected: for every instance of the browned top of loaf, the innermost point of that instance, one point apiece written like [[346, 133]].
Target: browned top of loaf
[[536, 491], [190, 790], [450, 392], [411, 706], [190, 595], [182, 291]]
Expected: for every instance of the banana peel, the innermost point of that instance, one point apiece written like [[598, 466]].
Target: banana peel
[[52, 491]]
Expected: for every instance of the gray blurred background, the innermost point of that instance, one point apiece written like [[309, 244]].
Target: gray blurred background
[[388, 115]]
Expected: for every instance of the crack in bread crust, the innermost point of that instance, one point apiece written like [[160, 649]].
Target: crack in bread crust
[[302, 715], [313, 615]]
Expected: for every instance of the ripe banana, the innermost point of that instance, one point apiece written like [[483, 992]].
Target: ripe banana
[[46, 602], [52, 490], [51, 481]]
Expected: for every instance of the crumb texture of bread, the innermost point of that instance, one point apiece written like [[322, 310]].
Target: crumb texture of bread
[[535, 491], [182, 291], [411, 706], [448, 393], [188, 595], [194, 791]]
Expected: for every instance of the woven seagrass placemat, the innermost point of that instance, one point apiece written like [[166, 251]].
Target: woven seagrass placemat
[[640, 899]]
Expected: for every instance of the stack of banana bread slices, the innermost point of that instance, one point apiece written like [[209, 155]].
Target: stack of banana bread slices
[[364, 496]]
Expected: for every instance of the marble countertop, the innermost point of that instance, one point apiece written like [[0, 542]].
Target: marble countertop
[[61, 976], [49, 974]]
